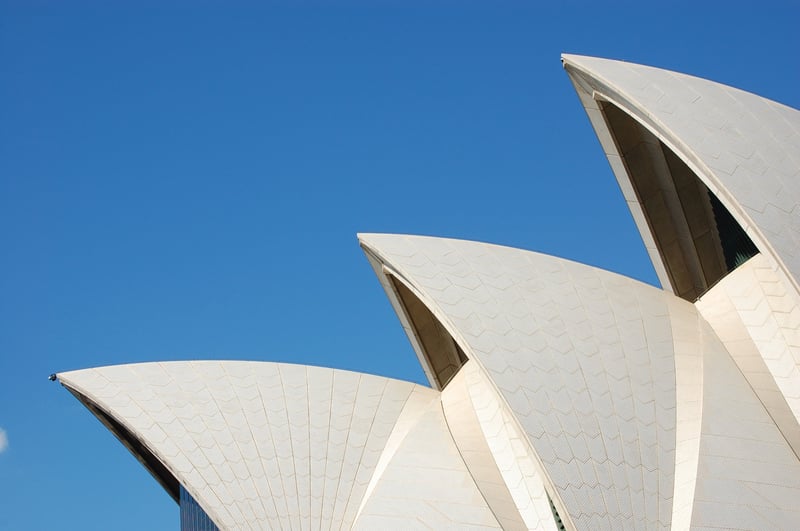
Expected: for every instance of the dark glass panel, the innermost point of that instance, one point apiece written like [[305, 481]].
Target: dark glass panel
[[193, 517]]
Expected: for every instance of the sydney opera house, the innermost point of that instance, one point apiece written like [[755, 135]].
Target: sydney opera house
[[561, 396]]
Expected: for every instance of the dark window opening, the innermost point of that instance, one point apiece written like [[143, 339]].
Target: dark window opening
[[736, 245], [443, 354], [698, 239], [193, 517], [559, 523]]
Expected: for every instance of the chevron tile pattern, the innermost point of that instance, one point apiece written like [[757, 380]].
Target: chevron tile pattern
[[258, 445], [576, 353], [618, 386]]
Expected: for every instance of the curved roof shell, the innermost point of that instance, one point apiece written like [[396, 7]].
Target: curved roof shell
[[744, 148], [266, 445], [628, 398]]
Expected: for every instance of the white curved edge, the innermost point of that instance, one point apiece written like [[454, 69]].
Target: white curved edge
[[492, 445], [604, 79]]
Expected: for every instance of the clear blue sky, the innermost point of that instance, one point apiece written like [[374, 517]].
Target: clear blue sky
[[187, 182]]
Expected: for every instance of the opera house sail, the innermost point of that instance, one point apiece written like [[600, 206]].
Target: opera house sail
[[561, 396]]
